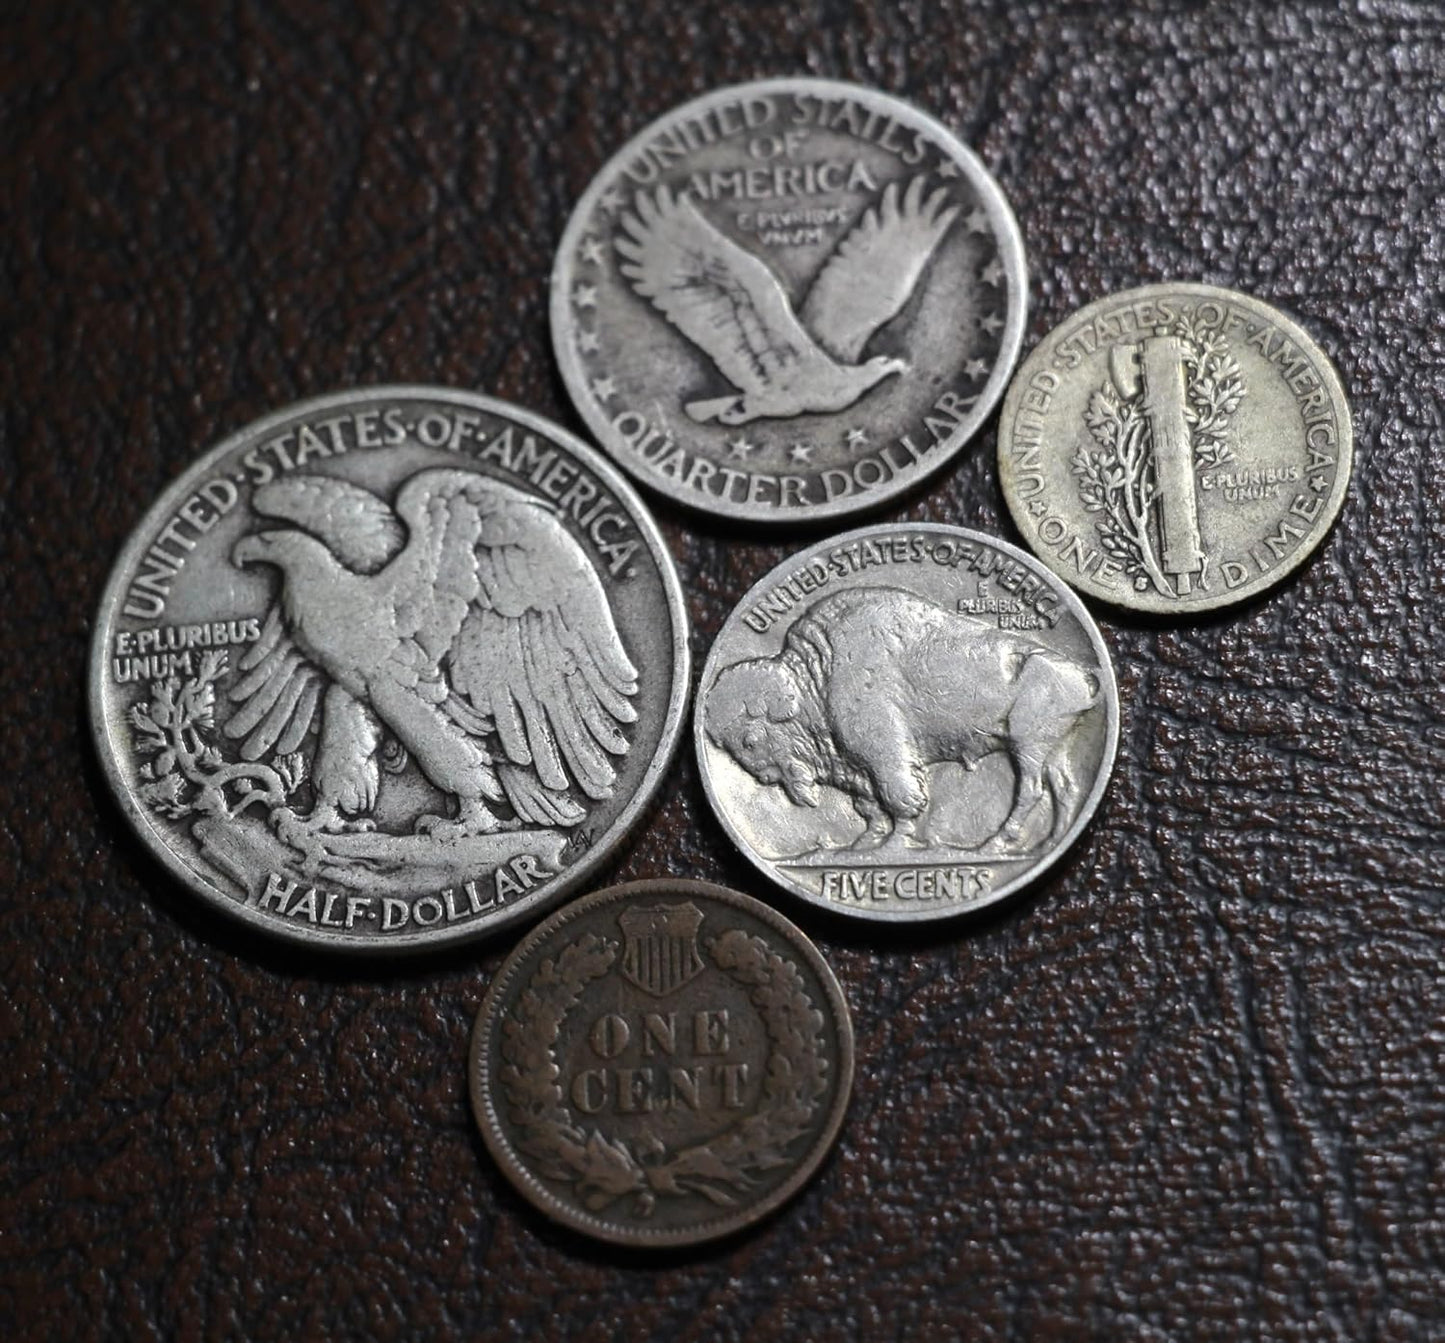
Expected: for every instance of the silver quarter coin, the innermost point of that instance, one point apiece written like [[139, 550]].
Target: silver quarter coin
[[790, 299], [662, 1063], [906, 722], [1175, 448], [389, 669]]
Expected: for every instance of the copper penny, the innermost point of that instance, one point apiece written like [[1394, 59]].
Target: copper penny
[[662, 1063]]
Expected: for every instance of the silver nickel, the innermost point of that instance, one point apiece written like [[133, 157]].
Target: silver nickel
[[906, 722], [788, 300], [390, 669], [1175, 448]]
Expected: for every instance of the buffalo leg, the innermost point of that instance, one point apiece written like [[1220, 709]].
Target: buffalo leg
[[1028, 793], [1062, 787], [880, 746], [903, 792], [879, 824]]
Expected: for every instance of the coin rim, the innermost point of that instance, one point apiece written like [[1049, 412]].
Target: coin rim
[[1110, 686], [1011, 249], [1329, 380], [533, 1189], [521, 910]]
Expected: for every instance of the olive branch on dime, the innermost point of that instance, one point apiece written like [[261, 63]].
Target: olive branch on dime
[[1116, 483], [186, 774], [604, 1170], [1214, 386]]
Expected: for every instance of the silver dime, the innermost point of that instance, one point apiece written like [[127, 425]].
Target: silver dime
[[906, 722], [389, 669], [662, 1063], [1175, 448], [788, 299]]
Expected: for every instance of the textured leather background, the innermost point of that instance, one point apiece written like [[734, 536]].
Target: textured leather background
[[1191, 1086]]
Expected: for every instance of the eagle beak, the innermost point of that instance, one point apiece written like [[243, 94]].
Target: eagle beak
[[248, 550]]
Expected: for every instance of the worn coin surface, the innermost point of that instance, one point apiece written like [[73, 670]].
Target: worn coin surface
[[389, 669], [1175, 448], [789, 299], [662, 1063], [906, 722]]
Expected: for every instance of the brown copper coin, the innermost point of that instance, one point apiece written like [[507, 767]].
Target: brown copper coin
[[662, 1063]]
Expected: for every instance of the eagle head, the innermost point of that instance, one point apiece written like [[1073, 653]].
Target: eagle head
[[259, 548], [309, 572], [737, 412], [292, 552], [884, 366]]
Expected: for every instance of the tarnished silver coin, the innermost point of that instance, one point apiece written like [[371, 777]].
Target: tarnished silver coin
[[389, 669], [789, 299], [1175, 448], [662, 1063], [906, 722]]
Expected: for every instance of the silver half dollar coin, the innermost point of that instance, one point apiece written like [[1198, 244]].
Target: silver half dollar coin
[[1175, 448], [789, 299], [906, 722], [389, 669]]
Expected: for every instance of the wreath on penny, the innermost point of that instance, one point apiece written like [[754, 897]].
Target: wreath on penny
[[603, 1170]]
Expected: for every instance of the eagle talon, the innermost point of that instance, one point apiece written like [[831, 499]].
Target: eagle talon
[[306, 835], [342, 825], [473, 818], [323, 819]]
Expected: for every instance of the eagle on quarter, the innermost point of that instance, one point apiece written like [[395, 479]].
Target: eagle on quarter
[[465, 627], [734, 308]]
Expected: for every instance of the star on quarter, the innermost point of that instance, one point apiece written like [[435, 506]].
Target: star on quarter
[[1175, 448], [815, 261], [662, 1063], [389, 669], [906, 722]]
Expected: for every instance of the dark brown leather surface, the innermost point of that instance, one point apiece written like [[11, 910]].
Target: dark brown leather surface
[[1191, 1086]]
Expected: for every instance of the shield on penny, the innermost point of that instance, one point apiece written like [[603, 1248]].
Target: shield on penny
[[660, 954]]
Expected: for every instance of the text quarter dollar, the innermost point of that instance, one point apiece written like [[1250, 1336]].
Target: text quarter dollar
[[788, 299]]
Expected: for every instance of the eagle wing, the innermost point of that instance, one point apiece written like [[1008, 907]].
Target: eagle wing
[[873, 271], [279, 689], [504, 600], [725, 300]]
